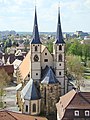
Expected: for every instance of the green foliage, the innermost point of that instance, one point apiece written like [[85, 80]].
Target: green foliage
[[49, 45], [4, 78], [76, 48], [75, 68]]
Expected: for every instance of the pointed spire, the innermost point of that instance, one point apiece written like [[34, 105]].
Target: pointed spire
[[36, 39], [59, 36]]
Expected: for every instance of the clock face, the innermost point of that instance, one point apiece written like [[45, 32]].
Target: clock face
[[36, 58]]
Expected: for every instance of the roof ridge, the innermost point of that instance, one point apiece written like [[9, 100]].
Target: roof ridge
[[71, 100]]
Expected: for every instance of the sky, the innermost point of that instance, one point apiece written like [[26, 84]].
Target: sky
[[18, 15]]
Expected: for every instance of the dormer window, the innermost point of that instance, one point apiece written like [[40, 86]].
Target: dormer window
[[87, 113], [76, 113]]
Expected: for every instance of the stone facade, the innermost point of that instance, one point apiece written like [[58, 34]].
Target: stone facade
[[46, 72], [50, 95]]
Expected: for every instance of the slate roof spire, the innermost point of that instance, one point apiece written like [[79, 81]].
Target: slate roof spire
[[30, 92], [59, 36], [36, 38]]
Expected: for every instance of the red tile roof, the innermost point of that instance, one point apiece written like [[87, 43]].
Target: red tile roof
[[73, 100], [8, 68], [6, 115]]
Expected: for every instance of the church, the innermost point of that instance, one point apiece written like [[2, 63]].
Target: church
[[41, 75]]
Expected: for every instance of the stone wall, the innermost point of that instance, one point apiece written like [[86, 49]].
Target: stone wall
[[49, 97]]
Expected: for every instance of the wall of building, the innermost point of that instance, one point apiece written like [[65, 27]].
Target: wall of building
[[38, 106], [50, 94], [46, 55]]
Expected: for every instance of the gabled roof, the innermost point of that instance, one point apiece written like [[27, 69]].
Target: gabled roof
[[81, 100], [59, 36], [25, 66], [30, 92], [36, 39], [73, 100], [49, 78]]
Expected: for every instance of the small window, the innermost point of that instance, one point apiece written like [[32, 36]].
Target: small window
[[59, 64], [34, 107], [60, 47], [86, 113], [28, 75], [51, 89], [76, 113], [59, 73], [26, 108], [36, 73], [35, 48], [45, 60], [45, 53], [60, 58]]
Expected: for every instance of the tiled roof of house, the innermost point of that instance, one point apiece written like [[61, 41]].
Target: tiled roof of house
[[49, 78], [8, 68], [73, 100], [6, 115], [30, 92], [81, 100], [25, 66]]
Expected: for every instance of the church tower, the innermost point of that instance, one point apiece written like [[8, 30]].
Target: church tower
[[35, 53], [59, 55]]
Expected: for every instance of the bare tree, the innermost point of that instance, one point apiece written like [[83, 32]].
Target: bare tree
[[4, 81]]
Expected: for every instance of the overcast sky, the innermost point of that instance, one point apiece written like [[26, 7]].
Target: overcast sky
[[19, 15]]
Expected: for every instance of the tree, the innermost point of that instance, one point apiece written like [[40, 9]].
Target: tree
[[49, 45], [75, 68], [4, 81]]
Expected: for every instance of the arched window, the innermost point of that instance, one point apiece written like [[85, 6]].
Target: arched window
[[60, 47], [34, 107], [26, 108], [36, 58], [60, 58], [35, 48]]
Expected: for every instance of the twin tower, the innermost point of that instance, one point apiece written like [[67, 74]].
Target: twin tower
[[41, 57], [41, 75]]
